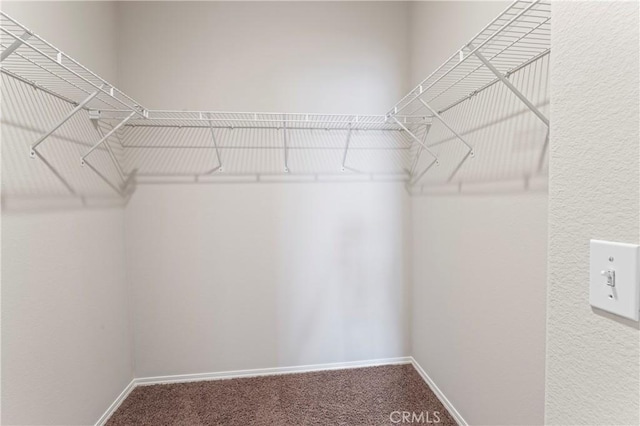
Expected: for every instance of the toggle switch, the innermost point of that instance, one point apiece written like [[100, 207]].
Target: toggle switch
[[610, 275], [615, 278]]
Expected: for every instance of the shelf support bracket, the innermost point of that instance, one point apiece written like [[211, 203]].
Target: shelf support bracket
[[444, 122], [12, 48], [415, 138], [469, 153], [110, 151], [215, 144], [80, 106], [415, 161], [511, 87], [286, 153], [346, 148], [105, 137]]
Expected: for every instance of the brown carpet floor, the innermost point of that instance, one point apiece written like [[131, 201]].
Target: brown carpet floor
[[362, 396]]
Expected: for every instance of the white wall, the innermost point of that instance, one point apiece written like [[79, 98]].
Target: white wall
[[82, 30], [439, 28], [231, 277], [262, 275], [202, 261], [316, 57], [479, 252], [66, 341], [593, 358]]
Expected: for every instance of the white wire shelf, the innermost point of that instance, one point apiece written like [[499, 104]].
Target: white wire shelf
[[263, 120], [28, 57], [517, 37], [140, 143], [200, 143]]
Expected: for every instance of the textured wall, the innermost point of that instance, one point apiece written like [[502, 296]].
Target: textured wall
[[479, 255], [593, 359], [66, 341]]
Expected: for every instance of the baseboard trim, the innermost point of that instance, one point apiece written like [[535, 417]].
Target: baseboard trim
[[270, 371], [183, 378], [114, 406], [441, 396]]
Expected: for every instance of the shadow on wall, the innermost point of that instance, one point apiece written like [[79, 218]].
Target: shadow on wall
[[55, 179], [510, 141], [166, 152], [510, 145], [176, 154]]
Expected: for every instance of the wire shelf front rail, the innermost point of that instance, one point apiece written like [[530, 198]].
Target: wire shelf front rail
[[34, 61], [516, 38], [173, 130], [262, 120]]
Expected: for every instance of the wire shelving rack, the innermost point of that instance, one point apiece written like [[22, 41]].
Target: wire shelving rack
[[31, 59], [518, 37], [515, 39]]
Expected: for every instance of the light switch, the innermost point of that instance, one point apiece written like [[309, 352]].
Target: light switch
[[615, 278]]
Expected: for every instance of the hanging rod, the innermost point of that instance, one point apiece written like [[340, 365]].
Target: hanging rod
[[519, 36]]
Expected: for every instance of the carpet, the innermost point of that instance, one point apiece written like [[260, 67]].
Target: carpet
[[384, 395]]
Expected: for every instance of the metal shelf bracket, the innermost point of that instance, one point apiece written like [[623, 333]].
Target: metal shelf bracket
[[507, 83], [215, 144], [415, 138], [286, 151], [346, 147], [444, 122], [419, 153], [17, 43], [81, 105], [105, 137]]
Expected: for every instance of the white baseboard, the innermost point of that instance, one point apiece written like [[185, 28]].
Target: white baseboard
[[113, 407], [441, 396], [269, 371], [181, 378]]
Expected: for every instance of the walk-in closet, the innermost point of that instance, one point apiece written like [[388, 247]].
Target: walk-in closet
[[320, 213]]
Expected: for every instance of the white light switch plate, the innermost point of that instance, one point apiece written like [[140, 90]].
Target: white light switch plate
[[617, 263]]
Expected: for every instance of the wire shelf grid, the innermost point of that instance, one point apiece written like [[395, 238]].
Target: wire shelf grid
[[31, 59], [516, 38], [262, 120], [168, 142]]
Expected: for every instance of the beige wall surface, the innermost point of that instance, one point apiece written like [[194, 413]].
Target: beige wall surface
[[593, 358], [227, 277], [262, 275], [231, 277], [66, 336], [84, 30], [479, 252], [315, 57]]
